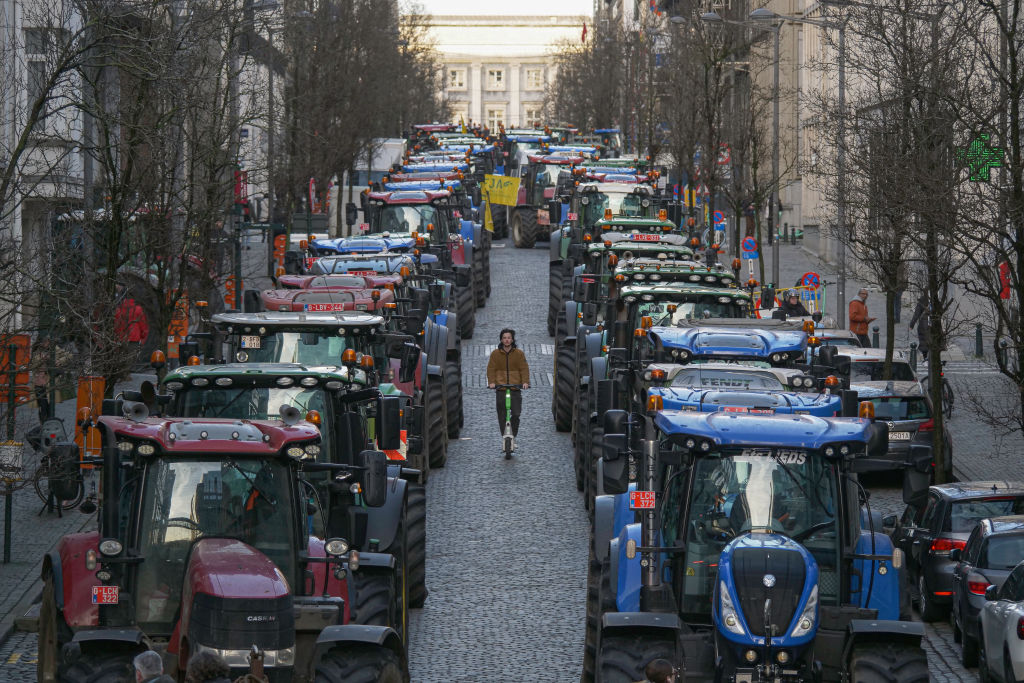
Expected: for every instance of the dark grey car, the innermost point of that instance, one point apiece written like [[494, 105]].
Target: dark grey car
[[927, 533], [993, 549]]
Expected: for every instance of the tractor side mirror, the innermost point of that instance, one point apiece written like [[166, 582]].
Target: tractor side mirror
[[851, 404], [436, 296], [351, 214], [991, 593], [475, 193], [615, 422], [389, 423], [375, 477], [768, 298], [554, 212], [917, 476], [827, 355], [414, 321], [589, 313], [463, 276], [605, 396], [615, 446], [414, 431], [410, 359]]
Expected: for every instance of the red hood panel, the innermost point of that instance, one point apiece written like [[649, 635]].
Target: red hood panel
[[229, 568]]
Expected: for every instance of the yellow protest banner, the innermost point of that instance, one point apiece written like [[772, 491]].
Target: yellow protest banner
[[488, 221], [501, 189]]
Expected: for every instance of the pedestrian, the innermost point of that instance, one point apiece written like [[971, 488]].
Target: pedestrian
[[792, 306], [660, 671], [859, 319], [207, 667], [507, 365], [922, 319], [150, 667], [41, 377]]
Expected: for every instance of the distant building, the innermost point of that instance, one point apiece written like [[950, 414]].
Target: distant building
[[496, 68]]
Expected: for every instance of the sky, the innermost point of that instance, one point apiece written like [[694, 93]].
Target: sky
[[516, 7]]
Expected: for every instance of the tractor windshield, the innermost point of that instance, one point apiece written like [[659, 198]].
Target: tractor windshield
[[621, 203], [690, 308], [307, 348], [782, 491], [407, 218], [185, 500]]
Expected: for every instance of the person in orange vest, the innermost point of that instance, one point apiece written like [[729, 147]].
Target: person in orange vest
[[859, 319]]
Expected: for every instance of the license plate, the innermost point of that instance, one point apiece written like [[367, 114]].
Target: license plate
[[309, 261], [573, 216], [250, 341], [104, 595], [641, 500], [734, 409], [899, 436], [364, 227], [361, 272], [640, 237]]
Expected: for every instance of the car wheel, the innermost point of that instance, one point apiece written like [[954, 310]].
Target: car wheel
[[968, 651], [930, 612], [1008, 676], [955, 625], [983, 674]]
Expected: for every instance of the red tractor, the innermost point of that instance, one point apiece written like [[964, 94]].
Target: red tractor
[[207, 543]]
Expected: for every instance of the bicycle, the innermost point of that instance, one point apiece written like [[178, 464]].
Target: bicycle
[[58, 479], [508, 440]]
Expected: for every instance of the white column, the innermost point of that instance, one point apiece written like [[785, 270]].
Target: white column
[[475, 93], [513, 116]]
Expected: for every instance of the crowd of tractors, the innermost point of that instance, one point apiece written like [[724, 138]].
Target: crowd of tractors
[[265, 499]]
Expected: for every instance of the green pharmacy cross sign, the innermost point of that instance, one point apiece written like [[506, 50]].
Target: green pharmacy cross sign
[[980, 158]]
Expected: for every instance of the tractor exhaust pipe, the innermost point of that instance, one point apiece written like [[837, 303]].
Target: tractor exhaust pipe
[[111, 482]]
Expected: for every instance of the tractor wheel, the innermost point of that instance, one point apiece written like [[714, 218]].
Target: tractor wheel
[[479, 289], [436, 423], [466, 310], [100, 667], [375, 599], [499, 218], [554, 297], [53, 633], [487, 239], [561, 406], [590, 486], [621, 658], [580, 428], [599, 601], [561, 327], [453, 397], [359, 663], [524, 228], [884, 662], [399, 548], [416, 548]]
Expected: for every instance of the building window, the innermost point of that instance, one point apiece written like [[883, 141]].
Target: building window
[[534, 117], [456, 79], [495, 79], [35, 86], [534, 79], [460, 115], [37, 41], [495, 118]]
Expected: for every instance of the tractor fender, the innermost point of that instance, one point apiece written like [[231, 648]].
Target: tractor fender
[[623, 515], [411, 474], [382, 523], [604, 518], [627, 592], [105, 640], [376, 560], [383, 636], [73, 583], [611, 621], [884, 587], [598, 369], [570, 317], [468, 247], [577, 270], [555, 247], [52, 565], [594, 343], [886, 631]]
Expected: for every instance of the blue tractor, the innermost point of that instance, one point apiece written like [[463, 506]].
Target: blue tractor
[[748, 552]]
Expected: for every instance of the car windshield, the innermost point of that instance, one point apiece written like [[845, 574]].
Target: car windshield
[[783, 491], [966, 513], [900, 407], [1003, 551], [185, 500], [872, 371], [689, 308], [307, 348], [406, 218], [727, 379]]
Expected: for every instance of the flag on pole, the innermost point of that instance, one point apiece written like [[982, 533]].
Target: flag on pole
[[583, 38]]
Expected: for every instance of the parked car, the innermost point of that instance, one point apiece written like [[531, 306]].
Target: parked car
[[993, 549], [1001, 654], [944, 521]]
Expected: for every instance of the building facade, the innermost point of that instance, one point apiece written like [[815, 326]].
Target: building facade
[[497, 68]]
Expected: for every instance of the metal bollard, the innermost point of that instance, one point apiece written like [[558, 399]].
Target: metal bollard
[[792, 236], [979, 349], [874, 336], [1002, 350], [913, 355], [785, 232]]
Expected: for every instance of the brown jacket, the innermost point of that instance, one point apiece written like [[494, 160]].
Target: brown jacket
[[508, 368], [859, 316]]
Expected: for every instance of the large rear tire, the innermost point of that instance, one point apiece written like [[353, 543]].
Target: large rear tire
[[466, 309], [554, 297], [359, 663], [479, 287], [416, 515], [100, 667], [888, 663], [581, 426], [565, 373], [375, 598], [524, 228], [453, 397], [48, 637], [621, 658], [437, 426], [499, 218]]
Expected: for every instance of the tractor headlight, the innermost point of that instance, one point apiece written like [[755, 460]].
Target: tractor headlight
[[638, 276], [295, 452], [174, 386], [111, 547], [125, 446], [729, 616], [312, 450], [146, 449], [336, 546], [776, 357], [200, 381], [782, 657], [750, 656], [809, 617]]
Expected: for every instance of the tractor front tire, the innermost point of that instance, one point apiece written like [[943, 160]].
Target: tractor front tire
[[888, 663], [437, 427], [374, 598], [581, 428], [466, 310], [453, 397], [479, 287], [621, 658], [363, 662], [561, 399], [524, 228], [416, 549], [100, 667]]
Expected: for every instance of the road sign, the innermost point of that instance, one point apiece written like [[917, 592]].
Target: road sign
[[811, 280], [719, 217], [748, 244]]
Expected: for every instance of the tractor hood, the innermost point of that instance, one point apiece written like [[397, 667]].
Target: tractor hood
[[229, 568], [364, 245]]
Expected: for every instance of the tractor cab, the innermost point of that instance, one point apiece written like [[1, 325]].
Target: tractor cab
[[687, 341], [366, 264], [756, 401]]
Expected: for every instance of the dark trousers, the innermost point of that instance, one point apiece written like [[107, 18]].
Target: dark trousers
[[42, 403], [864, 341], [517, 407]]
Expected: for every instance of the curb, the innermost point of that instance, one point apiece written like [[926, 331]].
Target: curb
[[9, 622]]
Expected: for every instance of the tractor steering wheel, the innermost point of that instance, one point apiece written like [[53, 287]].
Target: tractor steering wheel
[[185, 522], [811, 530]]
